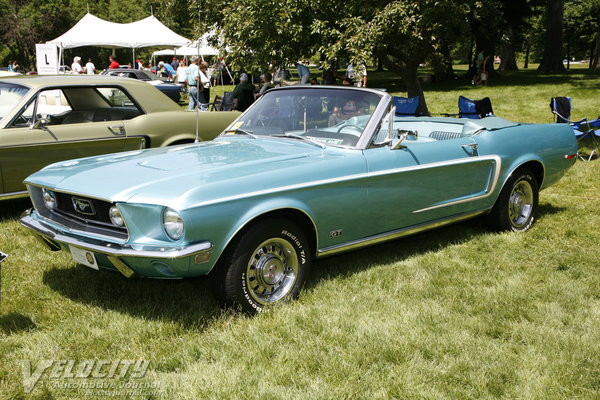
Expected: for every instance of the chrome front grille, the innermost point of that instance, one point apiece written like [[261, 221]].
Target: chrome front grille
[[84, 209], [79, 213]]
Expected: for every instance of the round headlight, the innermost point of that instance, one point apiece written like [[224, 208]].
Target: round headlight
[[115, 216], [49, 199], [173, 224]]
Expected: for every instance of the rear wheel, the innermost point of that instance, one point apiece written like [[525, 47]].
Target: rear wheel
[[265, 266], [517, 204]]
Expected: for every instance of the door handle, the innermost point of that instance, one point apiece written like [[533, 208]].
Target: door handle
[[118, 130], [473, 148]]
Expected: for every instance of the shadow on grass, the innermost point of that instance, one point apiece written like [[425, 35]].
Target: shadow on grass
[[403, 248], [12, 209], [15, 323], [393, 251], [191, 302], [544, 210]]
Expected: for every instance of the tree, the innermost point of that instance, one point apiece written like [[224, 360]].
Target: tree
[[25, 23], [256, 32], [582, 29], [403, 35], [516, 22], [552, 60]]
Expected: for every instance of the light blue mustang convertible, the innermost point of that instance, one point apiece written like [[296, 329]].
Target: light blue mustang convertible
[[306, 172]]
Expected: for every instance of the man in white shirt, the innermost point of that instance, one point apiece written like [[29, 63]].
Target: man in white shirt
[[90, 68], [76, 67]]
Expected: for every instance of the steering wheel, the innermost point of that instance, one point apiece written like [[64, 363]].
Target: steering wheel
[[23, 120], [351, 126]]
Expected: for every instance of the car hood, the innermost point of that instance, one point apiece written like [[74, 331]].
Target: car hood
[[180, 175]]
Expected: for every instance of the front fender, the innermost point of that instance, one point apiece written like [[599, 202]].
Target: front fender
[[270, 206], [221, 222]]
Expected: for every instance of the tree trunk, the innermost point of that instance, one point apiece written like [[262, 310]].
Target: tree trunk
[[408, 71], [441, 64], [527, 50], [552, 60], [595, 59], [508, 58]]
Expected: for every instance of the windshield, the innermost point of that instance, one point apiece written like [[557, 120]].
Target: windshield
[[335, 117], [10, 95]]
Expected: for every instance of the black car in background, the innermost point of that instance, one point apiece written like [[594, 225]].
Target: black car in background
[[169, 88]]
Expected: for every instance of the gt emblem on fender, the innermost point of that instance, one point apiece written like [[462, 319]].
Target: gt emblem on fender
[[336, 233]]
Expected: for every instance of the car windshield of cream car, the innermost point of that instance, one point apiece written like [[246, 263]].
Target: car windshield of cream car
[[10, 96], [333, 117]]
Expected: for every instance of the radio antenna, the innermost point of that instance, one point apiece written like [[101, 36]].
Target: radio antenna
[[198, 77]]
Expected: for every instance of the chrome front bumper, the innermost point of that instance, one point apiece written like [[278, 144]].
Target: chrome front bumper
[[201, 251]]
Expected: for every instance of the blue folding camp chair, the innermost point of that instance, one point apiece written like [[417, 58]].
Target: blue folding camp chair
[[583, 130], [474, 109], [406, 106]]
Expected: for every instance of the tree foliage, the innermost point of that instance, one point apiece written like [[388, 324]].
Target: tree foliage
[[400, 34]]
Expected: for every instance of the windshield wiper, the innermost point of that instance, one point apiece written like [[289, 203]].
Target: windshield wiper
[[305, 139], [243, 132]]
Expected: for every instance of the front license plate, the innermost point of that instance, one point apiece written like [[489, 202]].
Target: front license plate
[[84, 257]]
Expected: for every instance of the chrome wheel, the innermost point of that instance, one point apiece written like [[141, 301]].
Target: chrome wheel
[[520, 204], [272, 271], [265, 265], [516, 205]]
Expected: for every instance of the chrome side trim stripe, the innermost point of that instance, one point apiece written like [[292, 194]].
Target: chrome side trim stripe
[[13, 195], [384, 237]]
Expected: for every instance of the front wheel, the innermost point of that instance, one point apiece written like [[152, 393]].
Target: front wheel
[[517, 204], [265, 266]]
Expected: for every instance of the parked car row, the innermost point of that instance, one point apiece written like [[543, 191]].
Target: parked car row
[[304, 173]]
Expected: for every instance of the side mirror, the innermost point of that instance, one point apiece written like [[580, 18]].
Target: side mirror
[[402, 135], [40, 123]]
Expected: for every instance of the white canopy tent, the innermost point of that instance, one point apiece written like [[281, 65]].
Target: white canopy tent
[[196, 48], [94, 31]]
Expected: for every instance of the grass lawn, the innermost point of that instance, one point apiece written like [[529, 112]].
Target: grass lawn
[[455, 313]]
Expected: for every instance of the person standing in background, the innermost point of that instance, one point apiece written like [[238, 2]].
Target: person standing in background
[[205, 83], [303, 73], [360, 75], [180, 77], [243, 94], [192, 74], [90, 68], [175, 63], [76, 67], [113, 62]]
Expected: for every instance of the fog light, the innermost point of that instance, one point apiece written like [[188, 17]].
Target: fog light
[[49, 199], [115, 216]]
